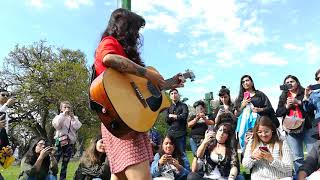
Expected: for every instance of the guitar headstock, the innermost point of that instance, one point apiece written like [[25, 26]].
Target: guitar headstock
[[189, 74]]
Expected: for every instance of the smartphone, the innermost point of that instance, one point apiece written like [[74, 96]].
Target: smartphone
[[246, 95], [222, 108], [314, 87], [210, 128], [264, 148], [285, 87]]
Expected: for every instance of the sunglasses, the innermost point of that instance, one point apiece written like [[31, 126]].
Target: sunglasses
[[5, 95], [317, 78]]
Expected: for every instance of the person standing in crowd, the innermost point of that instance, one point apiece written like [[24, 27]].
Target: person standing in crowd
[[66, 124], [169, 163], [249, 104], [39, 162], [119, 49], [226, 105], [266, 155], [199, 124], [290, 104], [5, 102], [176, 118], [94, 162], [311, 100]]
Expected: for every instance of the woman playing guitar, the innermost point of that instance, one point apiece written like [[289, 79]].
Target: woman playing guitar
[[118, 49]]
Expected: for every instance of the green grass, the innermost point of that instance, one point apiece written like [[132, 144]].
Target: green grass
[[13, 172]]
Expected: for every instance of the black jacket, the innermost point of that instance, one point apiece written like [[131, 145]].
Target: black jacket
[[178, 127]]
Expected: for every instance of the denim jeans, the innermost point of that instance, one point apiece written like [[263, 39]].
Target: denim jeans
[[181, 144], [193, 146], [65, 152], [296, 142]]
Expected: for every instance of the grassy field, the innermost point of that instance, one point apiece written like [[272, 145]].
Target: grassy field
[[13, 172]]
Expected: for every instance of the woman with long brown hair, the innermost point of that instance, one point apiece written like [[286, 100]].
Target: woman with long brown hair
[[291, 105], [118, 49], [93, 163], [266, 155]]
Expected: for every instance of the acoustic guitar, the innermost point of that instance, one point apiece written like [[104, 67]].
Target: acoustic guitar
[[126, 103]]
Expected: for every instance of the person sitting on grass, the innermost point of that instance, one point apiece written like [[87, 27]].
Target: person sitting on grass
[[169, 162], [216, 158], [94, 163], [39, 162], [266, 155]]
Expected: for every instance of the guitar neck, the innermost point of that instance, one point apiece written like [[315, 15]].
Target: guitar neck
[[174, 80]]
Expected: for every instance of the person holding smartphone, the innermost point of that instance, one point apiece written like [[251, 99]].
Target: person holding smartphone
[[250, 104], [169, 162], [39, 162], [290, 105], [66, 124], [216, 158], [266, 155], [5, 102], [311, 100]]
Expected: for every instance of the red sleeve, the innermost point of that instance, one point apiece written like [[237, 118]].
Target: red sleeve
[[108, 45]]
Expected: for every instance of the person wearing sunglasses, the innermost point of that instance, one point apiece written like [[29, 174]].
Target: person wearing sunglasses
[[5, 102]]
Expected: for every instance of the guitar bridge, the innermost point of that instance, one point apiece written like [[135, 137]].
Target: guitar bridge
[[138, 94]]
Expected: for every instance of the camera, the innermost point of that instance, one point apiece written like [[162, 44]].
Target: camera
[[285, 87], [314, 87]]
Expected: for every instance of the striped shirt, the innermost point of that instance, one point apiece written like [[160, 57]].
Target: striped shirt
[[264, 170]]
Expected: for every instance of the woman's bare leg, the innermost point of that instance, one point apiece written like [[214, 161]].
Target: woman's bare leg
[[139, 171]]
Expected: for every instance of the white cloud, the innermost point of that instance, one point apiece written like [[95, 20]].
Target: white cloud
[[293, 47], [313, 52], [181, 55], [266, 2], [75, 4], [38, 4], [267, 58], [168, 24], [205, 79], [226, 59], [213, 18]]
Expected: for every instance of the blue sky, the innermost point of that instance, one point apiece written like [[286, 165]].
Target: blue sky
[[219, 40]]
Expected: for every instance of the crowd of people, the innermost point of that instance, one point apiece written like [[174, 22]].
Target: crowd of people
[[250, 125]]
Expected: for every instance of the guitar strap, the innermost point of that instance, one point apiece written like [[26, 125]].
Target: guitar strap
[[93, 105]]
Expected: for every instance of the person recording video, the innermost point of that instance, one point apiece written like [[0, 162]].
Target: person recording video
[[39, 162], [5, 102]]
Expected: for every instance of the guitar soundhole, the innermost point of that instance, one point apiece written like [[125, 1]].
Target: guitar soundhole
[[153, 90], [155, 100]]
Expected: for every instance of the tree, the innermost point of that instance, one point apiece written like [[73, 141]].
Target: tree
[[40, 77]]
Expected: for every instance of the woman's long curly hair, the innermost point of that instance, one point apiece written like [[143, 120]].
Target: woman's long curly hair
[[91, 156], [31, 156], [124, 26]]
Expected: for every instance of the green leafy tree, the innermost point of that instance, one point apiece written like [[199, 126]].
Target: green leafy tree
[[40, 77]]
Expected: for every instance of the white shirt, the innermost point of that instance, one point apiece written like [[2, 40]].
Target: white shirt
[[62, 122], [4, 108]]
